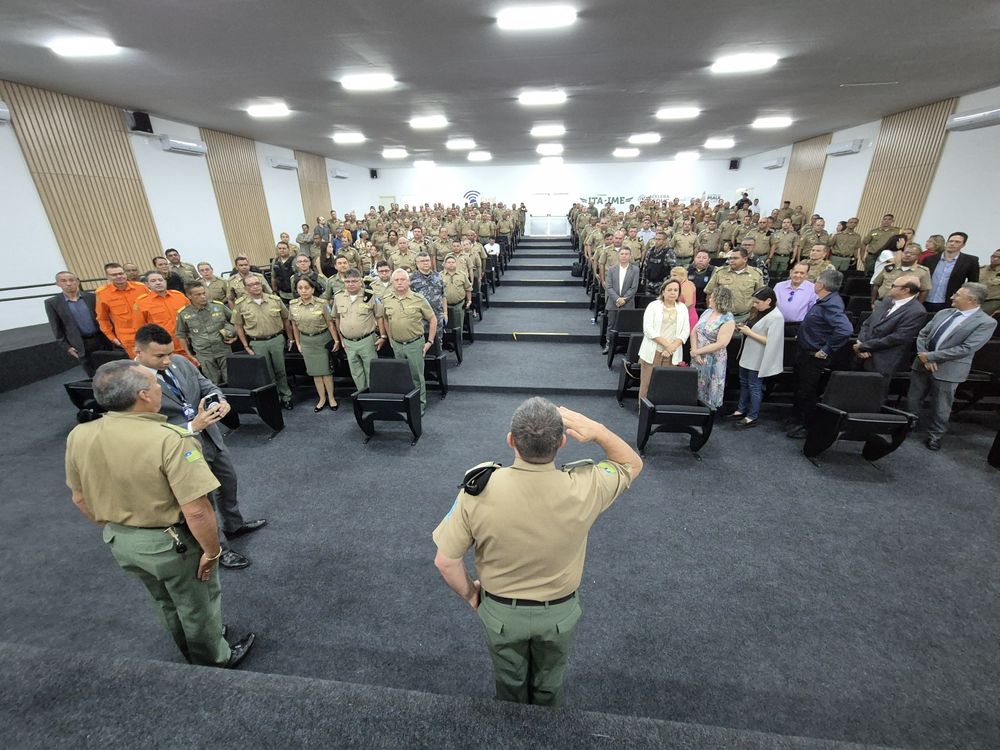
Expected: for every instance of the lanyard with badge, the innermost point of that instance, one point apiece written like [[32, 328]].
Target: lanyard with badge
[[189, 411]]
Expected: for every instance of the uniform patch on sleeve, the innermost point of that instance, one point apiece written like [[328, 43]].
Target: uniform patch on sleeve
[[608, 468], [453, 506], [192, 456]]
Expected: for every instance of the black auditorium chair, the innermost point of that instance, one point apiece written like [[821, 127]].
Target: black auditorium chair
[[251, 390], [857, 286], [469, 327], [858, 305], [852, 409], [628, 378], [983, 381], [672, 405], [452, 340], [629, 322], [436, 369], [81, 392], [390, 397]]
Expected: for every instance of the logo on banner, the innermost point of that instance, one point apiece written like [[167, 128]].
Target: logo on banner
[[472, 197], [610, 200]]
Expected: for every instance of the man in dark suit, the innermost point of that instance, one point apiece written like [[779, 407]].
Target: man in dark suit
[[622, 286], [945, 347], [949, 271], [183, 404], [74, 322], [889, 332]]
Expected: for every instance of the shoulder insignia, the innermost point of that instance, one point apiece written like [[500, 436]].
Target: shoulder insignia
[[477, 477], [608, 468], [182, 431], [368, 295], [577, 464]]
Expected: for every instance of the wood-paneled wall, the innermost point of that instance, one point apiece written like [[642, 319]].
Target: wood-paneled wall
[[805, 172], [80, 158], [239, 192], [314, 187], [906, 157]]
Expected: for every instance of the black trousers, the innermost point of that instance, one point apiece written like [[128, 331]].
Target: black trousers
[[808, 371]]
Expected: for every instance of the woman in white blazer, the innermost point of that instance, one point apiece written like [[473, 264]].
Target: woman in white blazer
[[665, 328]]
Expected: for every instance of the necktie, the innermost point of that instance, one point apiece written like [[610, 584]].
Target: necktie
[[942, 330], [168, 379]]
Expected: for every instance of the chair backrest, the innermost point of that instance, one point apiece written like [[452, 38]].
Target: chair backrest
[[854, 392], [435, 348], [634, 343], [859, 304], [629, 321], [247, 372], [103, 356], [987, 359], [390, 376], [675, 386]]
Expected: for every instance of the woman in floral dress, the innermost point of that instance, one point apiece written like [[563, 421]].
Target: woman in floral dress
[[709, 340]]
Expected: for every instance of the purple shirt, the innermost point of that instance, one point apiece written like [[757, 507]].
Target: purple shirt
[[795, 303]]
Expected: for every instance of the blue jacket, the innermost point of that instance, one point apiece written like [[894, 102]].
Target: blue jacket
[[826, 326]]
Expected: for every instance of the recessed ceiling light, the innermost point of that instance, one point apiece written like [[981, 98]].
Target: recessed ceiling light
[[677, 113], [274, 109], [549, 149], [460, 144], [429, 122], [548, 130], [368, 82], [644, 138], [423, 163], [550, 160], [84, 46], [769, 123], [535, 17], [479, 156], [541, 97], [687, 156], [746, 62], [348, 136], [394, 153], [625, 153], [720, 143]]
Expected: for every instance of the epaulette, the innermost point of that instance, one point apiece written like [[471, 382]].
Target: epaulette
[[368, 295], [182, 431], [577, 464], [477, 477]]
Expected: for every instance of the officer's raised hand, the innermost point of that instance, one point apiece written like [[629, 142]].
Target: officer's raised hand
[[580, 427], [207, 417]]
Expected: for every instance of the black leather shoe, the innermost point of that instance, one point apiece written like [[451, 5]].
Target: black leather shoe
[[247, 527], [334, 407], [239, 650], [233, 560], [604, 350], [745, 423], [287, 405], [797, 433], [933, 444], [735, 415], [318, 409]]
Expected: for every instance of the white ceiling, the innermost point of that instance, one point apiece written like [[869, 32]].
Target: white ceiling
[[204, 62]]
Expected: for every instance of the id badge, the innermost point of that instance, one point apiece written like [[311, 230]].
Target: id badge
[[189, 412]]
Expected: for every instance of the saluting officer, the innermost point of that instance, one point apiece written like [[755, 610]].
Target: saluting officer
[[360, 318], [260, 319], [205, 327], [529, 525], [405, 313], [154, 508]]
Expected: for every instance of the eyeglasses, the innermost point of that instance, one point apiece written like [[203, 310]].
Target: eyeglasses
[[791, 293]]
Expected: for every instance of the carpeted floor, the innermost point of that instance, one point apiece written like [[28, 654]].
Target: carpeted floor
[[751, 590]]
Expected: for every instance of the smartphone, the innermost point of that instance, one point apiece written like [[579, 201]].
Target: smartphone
[[212, 400]]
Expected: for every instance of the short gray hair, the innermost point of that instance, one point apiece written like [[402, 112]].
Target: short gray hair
[[537, 430], [831, 280], [117, 384], [977, 290]]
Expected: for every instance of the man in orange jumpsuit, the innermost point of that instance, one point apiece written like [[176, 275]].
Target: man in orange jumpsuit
[[115, 307], [161, 306]]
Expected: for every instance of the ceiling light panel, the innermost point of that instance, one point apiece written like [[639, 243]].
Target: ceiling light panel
[[479, 156], [549, 149], [687, 156], [84, 46], [274, 109], [548, 130], [541, 97], [460, 144], [394, 153], [429, 122], [677, 113], [536, 17], [348, 136], [625, 153], [771, 123], [720, 143], [638, 138], [368, 82], [747, 62]]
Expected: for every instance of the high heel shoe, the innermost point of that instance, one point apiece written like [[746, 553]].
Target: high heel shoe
[[334, 407], [318, 409]]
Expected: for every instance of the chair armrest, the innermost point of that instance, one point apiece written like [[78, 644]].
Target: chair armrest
[[832, 410], [414, 393], [911, 418], [358, 393], [646, 402]]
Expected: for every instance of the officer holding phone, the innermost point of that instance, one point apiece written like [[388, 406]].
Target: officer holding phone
[[192, 401]]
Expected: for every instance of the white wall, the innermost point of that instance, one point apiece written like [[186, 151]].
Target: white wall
[[356, 193], [281, 192], [25, 235], [751, 177], [181, 197], [964, 192], [844, 176]]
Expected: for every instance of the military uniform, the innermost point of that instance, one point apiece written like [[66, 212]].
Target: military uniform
[[263, 323], [742, 284], [783, 245], [845, 246], [458, 293], [135, 472], [319, 282], [710, 241], [237, 288], [186, 271], [314, 335], [816, 267], [798, 219], [810, 237], [305, 242], [207, 328], [380, 288], [684, 245], [334, 285], [405, 318], [885, 278], [873, 244], [529, 526], [431, 288], [217, 290], [357, 322], [406, 261], [282, 272], [727, 231], [991, 277]]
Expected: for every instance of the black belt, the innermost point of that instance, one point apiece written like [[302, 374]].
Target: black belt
[[313, 334], [528, 602], [360, 338], [415, 338], [181, 523], [264, 338]]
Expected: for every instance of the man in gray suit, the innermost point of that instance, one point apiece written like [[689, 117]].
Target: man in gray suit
[[945, 347], [889, 332], [622, 286], [183, 404], [73, 320]]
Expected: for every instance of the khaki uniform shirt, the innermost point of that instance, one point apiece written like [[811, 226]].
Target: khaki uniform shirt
[[817, 267], [991, 277], [309, 318], [486, 229], [206, 328], [810, 238], [877, 237], [407, 261], [710, 241], [741, 232], [635, 246], [381, 288], [352, 254], [742, 284], [134, 469], [784, 243], [186, 271], [334, 284], [530, 525], [379, 239], [218, 289], [358, 318], [505, 226], [762, 239], [237, 288], [457, 286], [885, 278], [846, 243], [406, 315], [684, 244], [727, 230], [260, 320], [798, 219]]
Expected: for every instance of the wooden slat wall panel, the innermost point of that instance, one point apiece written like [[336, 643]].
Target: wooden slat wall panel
[[80, 158], [805, 172], [906, 156], [239, 192], [314, 187]]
